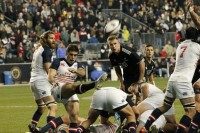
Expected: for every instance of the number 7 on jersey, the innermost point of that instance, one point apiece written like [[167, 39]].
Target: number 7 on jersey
[[183, 50]]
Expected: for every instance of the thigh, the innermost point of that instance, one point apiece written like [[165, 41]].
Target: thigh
[[72, 107], [142, 107], [41, 88], [67, 90], [183, 90]]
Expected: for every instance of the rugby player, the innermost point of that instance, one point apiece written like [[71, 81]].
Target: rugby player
[[39, 84], [62, 74], [180, 82]]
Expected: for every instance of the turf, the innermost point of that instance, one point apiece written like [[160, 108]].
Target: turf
[[17, 106]]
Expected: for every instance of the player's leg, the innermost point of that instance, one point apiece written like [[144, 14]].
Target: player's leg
[[70, 89], [189, 107], [92, 117], [72, 108], [128, 113], [196, 120], [159, 111], [40, 107]]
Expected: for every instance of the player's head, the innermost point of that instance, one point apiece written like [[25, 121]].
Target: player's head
[[48, 38], [136, 88], [72, 53], [191, 33], [114, 43], [149, 51]]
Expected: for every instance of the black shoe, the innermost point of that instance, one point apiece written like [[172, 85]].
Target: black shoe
[[33, 128]]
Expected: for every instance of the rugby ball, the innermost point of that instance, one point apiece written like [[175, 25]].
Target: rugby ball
[[112, 27]]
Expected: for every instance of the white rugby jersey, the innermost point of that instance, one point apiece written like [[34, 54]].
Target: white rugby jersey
[[63, 75], [187, 56], [153, 90], [41, 55]]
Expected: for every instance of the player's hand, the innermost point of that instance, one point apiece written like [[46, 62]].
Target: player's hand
[[55, 84], [72, 70], [188, 4], [140, 81], [122, 87]]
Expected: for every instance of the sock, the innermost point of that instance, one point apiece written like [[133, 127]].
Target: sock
[[153, 117], [80, 129], [53, 124], [49, 118], [36, 117], [131, 127], [72, 127], [82, 88], [184, 122], [62, 131], [194, 123]]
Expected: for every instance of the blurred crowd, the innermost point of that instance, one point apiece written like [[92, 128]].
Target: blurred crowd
[[81, 22]]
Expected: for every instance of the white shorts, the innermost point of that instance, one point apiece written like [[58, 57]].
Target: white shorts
[[179, 90], [108, 99], [153, 100], [41, 88], [160, 122], [56, 92]]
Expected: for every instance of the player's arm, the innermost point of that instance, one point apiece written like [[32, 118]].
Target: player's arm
[[141, 71], [145, 91], [53, 70], [80, 72], [119, 75], [51, 74], [46, 55], [46, 66], [151, 79], [195, 17]]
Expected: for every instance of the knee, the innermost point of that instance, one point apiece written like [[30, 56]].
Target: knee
[[41, 109], [52, 108], [74, 116]]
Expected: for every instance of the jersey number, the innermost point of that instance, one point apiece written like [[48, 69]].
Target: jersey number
[[184, 48]]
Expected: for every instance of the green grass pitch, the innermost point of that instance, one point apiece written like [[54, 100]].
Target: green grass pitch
[[17, 106]]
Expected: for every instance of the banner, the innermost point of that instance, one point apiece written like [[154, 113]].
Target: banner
[[20, 72]]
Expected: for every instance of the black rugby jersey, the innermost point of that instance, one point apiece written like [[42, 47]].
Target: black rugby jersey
[[149, 68], [196, 74], [47, 54], [128, 59]]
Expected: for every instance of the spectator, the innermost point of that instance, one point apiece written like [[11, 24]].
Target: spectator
[[93, 39], [83, 37], [65, 36], [74, 36], [169, 49], [104, 51], [2, 59], [57, 34], [20, 50], [10, 58], [161, 67], [61, 51], [125, 34]]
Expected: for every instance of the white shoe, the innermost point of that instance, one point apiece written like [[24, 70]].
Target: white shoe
[[101, 79]]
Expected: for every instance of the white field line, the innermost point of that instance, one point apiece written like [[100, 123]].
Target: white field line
[[17, 106]]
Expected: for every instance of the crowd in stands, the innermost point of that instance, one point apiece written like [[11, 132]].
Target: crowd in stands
[[79, 21]]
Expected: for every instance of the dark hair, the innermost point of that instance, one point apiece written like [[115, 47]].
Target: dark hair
[[72, 47], [191, 33], [149, 45]]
